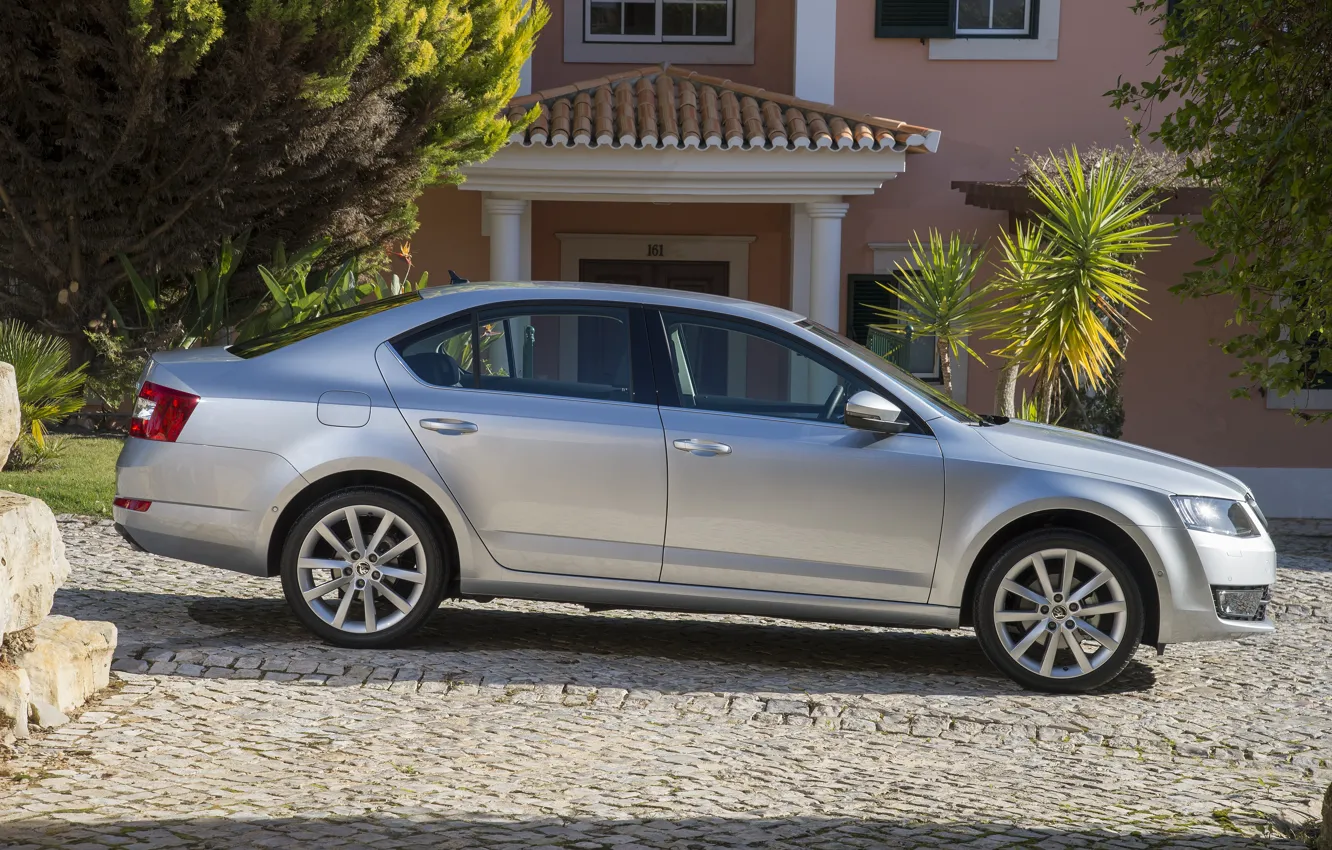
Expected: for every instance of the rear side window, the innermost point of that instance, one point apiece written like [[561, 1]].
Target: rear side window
[[287, 336], [576, 352], [441, 354]]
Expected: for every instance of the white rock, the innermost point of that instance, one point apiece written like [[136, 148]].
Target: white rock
[[9, 411], [32, 561], [43, 714], [15, 694], [70, 661]]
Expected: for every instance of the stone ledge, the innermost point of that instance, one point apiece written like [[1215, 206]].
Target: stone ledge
[[66, 662]]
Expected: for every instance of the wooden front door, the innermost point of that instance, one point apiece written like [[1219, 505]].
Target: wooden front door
[[707, 277]]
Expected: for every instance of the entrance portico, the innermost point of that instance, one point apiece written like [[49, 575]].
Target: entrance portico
[[668, 136]]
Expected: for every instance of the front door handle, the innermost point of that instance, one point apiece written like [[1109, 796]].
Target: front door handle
[[449, 426], [703, 448]]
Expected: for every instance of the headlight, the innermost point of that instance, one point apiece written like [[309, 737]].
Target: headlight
[[1219, 516]]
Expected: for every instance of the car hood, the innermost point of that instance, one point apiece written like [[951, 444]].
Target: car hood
[[1083, 452]]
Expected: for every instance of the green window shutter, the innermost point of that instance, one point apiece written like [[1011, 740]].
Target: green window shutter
[[914, 18], [863, 293]]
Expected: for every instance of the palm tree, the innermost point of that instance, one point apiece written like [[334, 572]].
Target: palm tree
[[1061, 315], [936, 298], [48, 391]]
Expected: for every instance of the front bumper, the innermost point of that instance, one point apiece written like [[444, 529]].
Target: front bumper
[[1191, 565]]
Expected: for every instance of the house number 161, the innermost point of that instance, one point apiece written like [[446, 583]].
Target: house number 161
[[656, 249]]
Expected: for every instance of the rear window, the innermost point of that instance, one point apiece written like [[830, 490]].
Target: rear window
[[285, 337]]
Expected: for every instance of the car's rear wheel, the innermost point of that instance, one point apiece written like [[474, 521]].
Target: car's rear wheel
[[1059, 611], [363, 568]]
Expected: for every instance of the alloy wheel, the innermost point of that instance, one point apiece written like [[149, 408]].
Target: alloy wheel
[[361, 569], [1060, 613]]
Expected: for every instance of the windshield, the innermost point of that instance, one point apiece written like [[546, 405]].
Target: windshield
[[936, 395], [295, 333]]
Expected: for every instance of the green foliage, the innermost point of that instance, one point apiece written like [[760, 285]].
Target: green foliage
[[186, 312], [1249, 86], [299, 290], [1070, 281], [154, 129], [115, 369], [935, 291], [48, 389], [31, 453]]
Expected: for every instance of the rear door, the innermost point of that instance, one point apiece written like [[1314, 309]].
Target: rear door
[[542, 421]]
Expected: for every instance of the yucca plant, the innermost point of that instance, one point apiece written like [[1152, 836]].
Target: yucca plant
[[936, 298], [48, 389], [1021, 269], [1083, 286]]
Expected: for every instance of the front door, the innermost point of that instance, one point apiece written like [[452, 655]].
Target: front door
[[542, 424], [769, 490], [708, 277]]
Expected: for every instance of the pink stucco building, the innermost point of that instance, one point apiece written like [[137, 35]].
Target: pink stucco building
[[728, 146]]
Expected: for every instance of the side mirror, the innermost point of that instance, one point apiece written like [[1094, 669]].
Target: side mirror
[[872, 412]]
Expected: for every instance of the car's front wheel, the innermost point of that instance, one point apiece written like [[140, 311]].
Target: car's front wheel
[[1058, 610], [363, 568]]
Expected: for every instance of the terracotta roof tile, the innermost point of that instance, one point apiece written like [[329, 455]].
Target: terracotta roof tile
[[666, 107]]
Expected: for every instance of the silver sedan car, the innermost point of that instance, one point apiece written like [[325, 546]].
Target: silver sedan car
[[652, 449]]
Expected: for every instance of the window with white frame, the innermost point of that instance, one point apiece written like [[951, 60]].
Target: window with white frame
[[993, 17], [660, 21]]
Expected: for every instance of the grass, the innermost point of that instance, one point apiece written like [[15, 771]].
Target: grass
[[83, 481]]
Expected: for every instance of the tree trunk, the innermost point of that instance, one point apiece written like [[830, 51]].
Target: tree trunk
[[1005, 392], [945, 368], [1045, 392]]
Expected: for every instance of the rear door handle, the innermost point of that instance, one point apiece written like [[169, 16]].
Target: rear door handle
[[703, 448], [449, 426]]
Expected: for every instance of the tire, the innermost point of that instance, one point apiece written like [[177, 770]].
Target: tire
[[400, 603], [1011, 605]]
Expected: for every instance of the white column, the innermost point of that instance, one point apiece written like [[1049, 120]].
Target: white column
[[799, 260], [525, 264], [506, 237], [825, 262], [815, 49]]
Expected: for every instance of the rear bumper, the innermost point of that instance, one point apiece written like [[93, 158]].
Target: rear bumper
[[1190, 565], [210, 505]]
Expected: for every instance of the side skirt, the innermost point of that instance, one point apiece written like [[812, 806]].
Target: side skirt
[[619, 593]]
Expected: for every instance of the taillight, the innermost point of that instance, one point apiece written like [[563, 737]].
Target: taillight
[[136, 505], [160, 412]]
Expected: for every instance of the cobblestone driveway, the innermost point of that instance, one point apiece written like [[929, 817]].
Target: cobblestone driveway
[[524, 724]]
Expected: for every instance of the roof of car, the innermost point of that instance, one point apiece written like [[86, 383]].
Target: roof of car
[[555, 289]]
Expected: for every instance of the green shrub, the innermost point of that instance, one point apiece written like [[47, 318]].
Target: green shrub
[[48, 389]]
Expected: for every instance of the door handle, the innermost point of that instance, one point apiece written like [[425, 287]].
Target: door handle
[[703, 448], [449, 426]]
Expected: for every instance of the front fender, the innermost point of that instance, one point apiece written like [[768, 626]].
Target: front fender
[[984, 497]]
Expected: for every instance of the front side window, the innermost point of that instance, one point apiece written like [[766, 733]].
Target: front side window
[[659, 20], [732, 367], [576, 352], [993, 17]]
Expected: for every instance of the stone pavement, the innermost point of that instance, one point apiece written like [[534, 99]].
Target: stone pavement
[[518, 724]]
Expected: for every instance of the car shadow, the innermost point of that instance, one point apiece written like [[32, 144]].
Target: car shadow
[[677, 833], [560, 644]]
